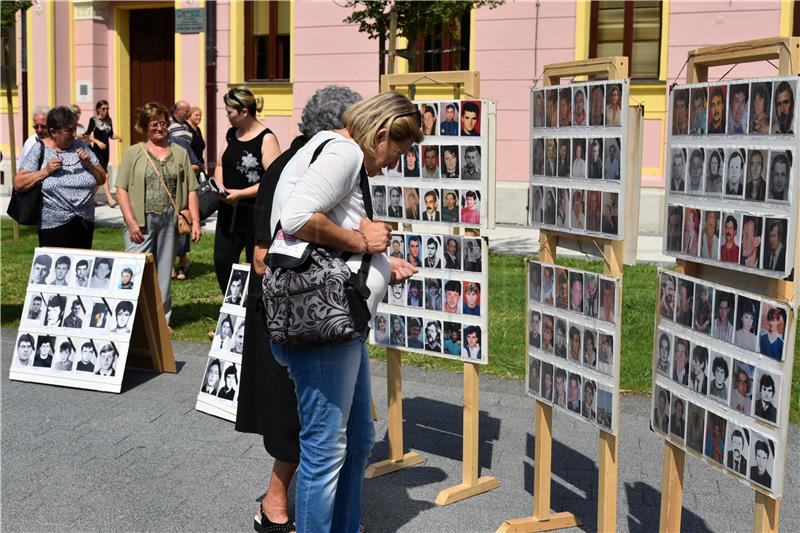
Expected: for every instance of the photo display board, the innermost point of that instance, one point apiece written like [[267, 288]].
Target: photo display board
[[219, 391], [731, 191], [77, 318], [723, 370], [443, 309], [444, 179], [578, 149], [573, 339]]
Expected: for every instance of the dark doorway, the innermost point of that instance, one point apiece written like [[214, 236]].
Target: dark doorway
[[152, 53]]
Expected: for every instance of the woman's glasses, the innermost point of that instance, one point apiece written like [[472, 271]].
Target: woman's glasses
[[158, 124]]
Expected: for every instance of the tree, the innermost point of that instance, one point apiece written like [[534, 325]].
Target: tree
[[8, 17], [413, 19]]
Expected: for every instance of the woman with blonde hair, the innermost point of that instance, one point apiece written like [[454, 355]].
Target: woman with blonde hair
[[154, 183], [322, 203], [249, 149]]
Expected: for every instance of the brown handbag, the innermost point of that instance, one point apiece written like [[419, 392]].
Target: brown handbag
[[184, 215]]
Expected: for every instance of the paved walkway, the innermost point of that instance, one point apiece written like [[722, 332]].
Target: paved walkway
[[145, 460]]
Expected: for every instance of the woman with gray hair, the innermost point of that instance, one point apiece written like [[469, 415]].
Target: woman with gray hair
[[69, 173], [267, 404]]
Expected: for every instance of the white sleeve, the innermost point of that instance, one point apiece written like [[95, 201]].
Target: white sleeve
[[328, 181]]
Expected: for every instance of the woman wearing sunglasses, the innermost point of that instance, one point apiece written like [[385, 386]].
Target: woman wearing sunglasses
[[249, 148]]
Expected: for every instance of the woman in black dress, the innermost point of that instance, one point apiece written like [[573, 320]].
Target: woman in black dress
[[101, 131], [250, 148], [267, 404]]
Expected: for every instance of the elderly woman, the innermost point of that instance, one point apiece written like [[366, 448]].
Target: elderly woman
[[263, 380], [322, 203], [154, 183], [249, 148], [69, 173]]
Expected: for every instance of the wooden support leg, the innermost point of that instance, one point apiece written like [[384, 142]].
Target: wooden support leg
[[471, 484], [397, 459], [607, 483], [542, 519], [766, 514], [672, 489]]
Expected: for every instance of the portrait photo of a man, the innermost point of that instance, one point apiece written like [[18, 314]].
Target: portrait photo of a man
[[783, 105], [716, 109], [780, 168], [737, 112], [680, 112]]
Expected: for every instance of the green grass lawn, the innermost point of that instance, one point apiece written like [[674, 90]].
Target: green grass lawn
[[196, 303]]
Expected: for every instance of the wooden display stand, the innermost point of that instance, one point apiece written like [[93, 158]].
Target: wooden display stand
[[151, 347], [613, 253], [787, 51], [467, 82]]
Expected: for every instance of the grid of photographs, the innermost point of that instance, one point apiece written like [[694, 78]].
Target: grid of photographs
[[77, 318], [578, 146], [731, 186], [573, 334], [441, 310], [443, 179], [722, 368], [219, 391]]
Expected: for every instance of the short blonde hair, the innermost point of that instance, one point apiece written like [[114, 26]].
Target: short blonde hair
[[148, 112], [241, 98], [193, 109], [390, 110]]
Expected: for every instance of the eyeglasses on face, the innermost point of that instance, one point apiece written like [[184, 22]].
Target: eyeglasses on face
[[40, 126], [158, 124]]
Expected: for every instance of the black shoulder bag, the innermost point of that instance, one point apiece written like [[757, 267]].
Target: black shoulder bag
[[26, 207], [313, 298]]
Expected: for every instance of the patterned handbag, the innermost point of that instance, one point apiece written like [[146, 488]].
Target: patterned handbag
[[311, 296]]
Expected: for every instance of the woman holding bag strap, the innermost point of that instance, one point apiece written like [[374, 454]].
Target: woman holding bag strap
[[155, 182]]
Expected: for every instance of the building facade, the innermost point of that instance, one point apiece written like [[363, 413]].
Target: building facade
[[81, 51]]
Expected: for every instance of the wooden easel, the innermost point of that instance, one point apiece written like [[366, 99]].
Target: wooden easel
[[471, 484], [151, 347], [613, 252], [787, 51]]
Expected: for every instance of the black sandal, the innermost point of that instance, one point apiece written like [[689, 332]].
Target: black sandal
[[263, 524]]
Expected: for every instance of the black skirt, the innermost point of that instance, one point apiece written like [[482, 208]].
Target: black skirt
[[267, 400]]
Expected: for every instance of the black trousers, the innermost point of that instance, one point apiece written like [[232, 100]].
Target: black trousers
[[228, 248], [77, 233]]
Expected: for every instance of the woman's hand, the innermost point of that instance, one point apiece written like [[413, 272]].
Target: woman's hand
[[84, 157], [53, 166], [234, 195], [401, 270], [196, 234], [376, 235], [134, 231], [100, 145]]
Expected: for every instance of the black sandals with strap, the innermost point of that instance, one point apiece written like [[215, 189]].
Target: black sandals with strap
[[263, 524]]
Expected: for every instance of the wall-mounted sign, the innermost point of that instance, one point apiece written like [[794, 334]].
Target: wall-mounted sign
[[190, 20]]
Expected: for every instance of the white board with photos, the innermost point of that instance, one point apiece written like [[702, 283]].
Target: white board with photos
[[443, 309], [731, 191], [573, 340], [443, 180], [77, 318], [577, 167], [219, 391], [722, 369]]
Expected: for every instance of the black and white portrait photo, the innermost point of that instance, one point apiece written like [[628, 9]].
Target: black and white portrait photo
[[123, 317], [379, 200], [546, 388], [237, 344], [737, 449], [767, 395], [397, 247], [755, 189], [742, 390], [107, 360], [694, 183], [780, 169], [40, 271], [698, 370], [88, 357], [738, 107], [677, 172], [534, 375], [101, 274], [774, 244], [661, 409], [722, 327], [433, 336], [534, 281], [680, 366], [535, 329], [224, 333], [229, 386], [397, 293], [719, 383], [473, 256], [395, 209], [411, 162], [82, 269], [783, 105], [411, 198], [452, 252], [574, 392], [663, 353], [695, 427], [414, 295], [715, 168], [677, 418], [211, 380], [589, 402], [471, 162], [610, 220], [747, 313], [579, 106], [560, 338], [25, 348], [762, 460], [560, 388], [66, 355], [433, 252], [433, 294]]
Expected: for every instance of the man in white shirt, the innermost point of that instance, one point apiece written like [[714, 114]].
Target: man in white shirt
[[40, 127]]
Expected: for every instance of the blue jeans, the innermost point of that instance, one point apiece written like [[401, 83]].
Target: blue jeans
[[333, 390]]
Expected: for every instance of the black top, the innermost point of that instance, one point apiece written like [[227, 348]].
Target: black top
[[241, 168], [198, 144], [267, 403]]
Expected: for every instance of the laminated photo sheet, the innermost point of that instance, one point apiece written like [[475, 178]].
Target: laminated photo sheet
[[593, 189], [219, 391], [559, 373], [744, 177], [77, 318], [723, 394], [454, 166], [414, 316]]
